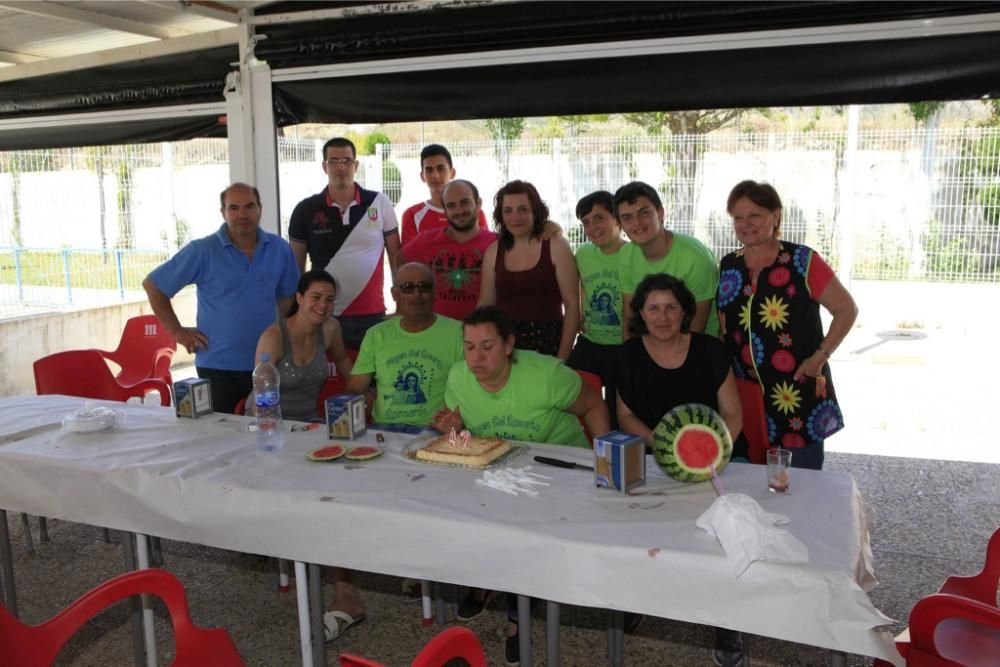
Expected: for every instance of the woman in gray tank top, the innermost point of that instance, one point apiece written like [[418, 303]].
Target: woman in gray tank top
[[300, 343]]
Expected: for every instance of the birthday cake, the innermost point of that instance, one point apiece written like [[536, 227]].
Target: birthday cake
[[463, 449]]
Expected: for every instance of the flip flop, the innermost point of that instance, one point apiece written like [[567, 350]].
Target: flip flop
[[336, 623]]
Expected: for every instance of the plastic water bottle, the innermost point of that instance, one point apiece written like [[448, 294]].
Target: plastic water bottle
[[267, 397]]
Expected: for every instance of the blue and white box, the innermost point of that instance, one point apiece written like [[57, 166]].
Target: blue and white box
[[345, 416], [193, 397], [619, 461]]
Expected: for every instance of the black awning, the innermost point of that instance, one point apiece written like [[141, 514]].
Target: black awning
[[956, 67], [939, 68]]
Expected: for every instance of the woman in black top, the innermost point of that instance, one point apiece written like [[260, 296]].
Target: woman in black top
[[667, 365]]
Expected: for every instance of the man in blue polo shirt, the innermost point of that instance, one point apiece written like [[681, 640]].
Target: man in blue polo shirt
[[244, 275]]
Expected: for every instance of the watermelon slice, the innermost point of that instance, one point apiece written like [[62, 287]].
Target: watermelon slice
[[331, 453], [690, 440], [364, 453]]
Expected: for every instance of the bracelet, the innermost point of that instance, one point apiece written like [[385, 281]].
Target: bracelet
[[825, 353]]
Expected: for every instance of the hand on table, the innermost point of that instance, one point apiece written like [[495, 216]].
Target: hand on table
[[445, 420], [191, 339]]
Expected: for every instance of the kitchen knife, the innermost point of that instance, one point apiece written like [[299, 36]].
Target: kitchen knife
[[559, 463]]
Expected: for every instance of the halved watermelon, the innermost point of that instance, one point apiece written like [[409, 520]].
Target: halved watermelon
[[364, 453], [690, 440], [331, 453]]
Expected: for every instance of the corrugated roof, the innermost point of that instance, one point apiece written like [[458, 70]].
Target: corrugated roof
[[40, 37]]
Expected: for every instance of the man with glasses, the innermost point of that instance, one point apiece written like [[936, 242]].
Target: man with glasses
[[344, 229], [454, 253], [408, 356]]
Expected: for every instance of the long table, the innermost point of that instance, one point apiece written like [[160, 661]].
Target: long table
[[203, 481]]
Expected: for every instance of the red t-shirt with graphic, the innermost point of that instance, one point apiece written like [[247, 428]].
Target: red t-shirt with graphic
[[457, 268]]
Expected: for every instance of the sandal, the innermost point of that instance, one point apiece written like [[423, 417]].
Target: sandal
[[336, 623]]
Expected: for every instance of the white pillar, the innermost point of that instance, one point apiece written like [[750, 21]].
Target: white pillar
[[253, 148]]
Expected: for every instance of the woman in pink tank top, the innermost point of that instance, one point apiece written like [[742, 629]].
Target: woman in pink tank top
[[534, 281]]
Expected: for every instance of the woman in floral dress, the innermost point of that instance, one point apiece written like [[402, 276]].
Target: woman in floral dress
[[769, 296]]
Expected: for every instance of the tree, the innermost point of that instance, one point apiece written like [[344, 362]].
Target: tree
[[503, 131], [683, 158]]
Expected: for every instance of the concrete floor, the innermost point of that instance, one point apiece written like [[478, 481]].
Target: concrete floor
[[931, 519]]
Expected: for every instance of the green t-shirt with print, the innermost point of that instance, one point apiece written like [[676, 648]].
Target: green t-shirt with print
[[411, 369], [602, 295], [531, 406], [688, 260]]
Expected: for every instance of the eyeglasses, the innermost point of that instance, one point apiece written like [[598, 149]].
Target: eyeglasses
[[424, 287], [343, 161]]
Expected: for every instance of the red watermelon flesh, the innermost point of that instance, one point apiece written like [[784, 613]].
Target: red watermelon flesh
[[331, 453], [363, 453], [698, 448]]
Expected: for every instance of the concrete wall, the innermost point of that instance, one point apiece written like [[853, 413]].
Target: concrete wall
[[33, 337]]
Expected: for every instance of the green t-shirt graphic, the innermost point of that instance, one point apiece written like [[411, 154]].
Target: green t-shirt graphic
[[411, 369], [530, 407], [602, 294]]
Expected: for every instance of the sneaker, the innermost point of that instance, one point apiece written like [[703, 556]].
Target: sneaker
[[512, 651], [470, 607], [728, 651]]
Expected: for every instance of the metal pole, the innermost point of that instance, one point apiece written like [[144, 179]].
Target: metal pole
[[316, 606], [8, 564], [524, 629], [302, 597], [149, 629], [66, 273], [121, 274], [551, 633], [28, 539], [138, 651], [17, 272]]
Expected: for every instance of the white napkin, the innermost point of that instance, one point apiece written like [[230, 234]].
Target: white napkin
[[748, 533], [92, 418]]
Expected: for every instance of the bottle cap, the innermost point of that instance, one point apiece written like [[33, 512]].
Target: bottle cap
[[264, 356]]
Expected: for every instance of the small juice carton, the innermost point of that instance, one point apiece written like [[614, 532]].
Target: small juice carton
[[619, 461], [345, 416], [193, 397]]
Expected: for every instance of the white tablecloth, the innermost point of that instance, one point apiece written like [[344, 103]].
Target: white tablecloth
[[203, 481]]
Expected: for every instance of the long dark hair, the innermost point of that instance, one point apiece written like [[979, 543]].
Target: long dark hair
[[306, 281], [539, 210]]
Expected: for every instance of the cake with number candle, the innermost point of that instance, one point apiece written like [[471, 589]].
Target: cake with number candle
[[463, 449]]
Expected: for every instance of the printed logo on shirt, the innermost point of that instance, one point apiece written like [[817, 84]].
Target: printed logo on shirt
[[408, 386], [373, 213], [320, 219], [602, 305]]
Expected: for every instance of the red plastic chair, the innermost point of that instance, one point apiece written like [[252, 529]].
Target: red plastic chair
[[754, 419], [144, 351], [960, 624], [38, 645], [597, 383], [454, 643], [84, 373]]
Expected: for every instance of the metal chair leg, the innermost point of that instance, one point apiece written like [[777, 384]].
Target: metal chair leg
[[28, 539]]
